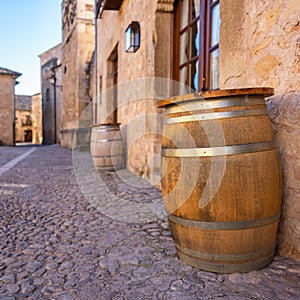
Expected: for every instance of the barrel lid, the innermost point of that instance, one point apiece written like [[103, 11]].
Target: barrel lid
[[264, 91]]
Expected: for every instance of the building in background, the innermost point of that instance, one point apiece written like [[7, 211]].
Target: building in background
[[51, 92], [23, 119], [121, 96], [7, 105], [77, 51], [37, 132]]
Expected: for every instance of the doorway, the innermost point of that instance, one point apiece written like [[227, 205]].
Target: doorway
[[113, 83], [28, 136]]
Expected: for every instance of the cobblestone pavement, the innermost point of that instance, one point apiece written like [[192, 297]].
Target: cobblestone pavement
[[9, 153], [54, 244]]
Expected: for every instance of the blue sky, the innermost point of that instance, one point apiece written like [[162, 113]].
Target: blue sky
[[27, 29]]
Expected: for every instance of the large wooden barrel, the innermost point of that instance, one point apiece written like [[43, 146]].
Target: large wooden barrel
[[107, 147], [221, 179]]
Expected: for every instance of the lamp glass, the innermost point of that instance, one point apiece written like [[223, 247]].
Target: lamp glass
[[128, 39], [132, 37]]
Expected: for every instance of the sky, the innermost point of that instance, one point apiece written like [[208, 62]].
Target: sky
[[27, 29]]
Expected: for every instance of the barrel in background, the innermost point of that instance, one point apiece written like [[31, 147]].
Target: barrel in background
[[221, 179], [107, 147]]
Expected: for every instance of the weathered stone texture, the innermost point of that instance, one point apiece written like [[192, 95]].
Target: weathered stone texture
[[232, 44], [165, 5], [260, 43], [51, 71], [37, 134], [77, 49], [285, 114], [69, 80], [137, 110], [7, 115]]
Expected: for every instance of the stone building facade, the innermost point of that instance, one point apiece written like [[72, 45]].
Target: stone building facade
[[23, 119], [119, 71], [7, 106], [77, 51], [37, 122], [257, 44], [51, 92]]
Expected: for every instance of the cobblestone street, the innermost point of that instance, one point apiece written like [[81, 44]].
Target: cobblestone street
[[57, 243]]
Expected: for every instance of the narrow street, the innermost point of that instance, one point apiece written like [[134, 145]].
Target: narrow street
[[58, 243]]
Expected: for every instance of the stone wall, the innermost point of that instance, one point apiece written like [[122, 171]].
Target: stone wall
[[51, 92], [140, 119], [7, 115], [37, 136], [260, 46], [77, 51]]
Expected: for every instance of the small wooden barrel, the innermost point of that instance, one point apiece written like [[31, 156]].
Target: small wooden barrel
[[107, 147], [221, 179]]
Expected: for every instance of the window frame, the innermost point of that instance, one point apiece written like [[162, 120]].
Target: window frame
[[205, 47]]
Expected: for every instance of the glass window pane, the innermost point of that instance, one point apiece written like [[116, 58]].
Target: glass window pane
[[183, 47], [195, 75], [195, 38], [195, 8], [215, 25], [214, 69], [183, 79], [184, 16], [127, 39]]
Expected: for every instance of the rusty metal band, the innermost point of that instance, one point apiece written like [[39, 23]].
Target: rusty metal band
[[226, 267], [219, 151], [108, 140], [232, 257], [202, 104], [224, 225], [216, 116]]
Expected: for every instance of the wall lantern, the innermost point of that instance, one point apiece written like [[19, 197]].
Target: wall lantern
[[132, 35]]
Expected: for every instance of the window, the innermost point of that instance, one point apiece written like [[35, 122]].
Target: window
[[27, 121], [196, 43]]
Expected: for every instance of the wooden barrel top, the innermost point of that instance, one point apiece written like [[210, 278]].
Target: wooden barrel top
[[264, 91]]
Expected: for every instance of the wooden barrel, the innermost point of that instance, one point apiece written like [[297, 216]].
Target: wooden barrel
[[106, 147], [221, 179]]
